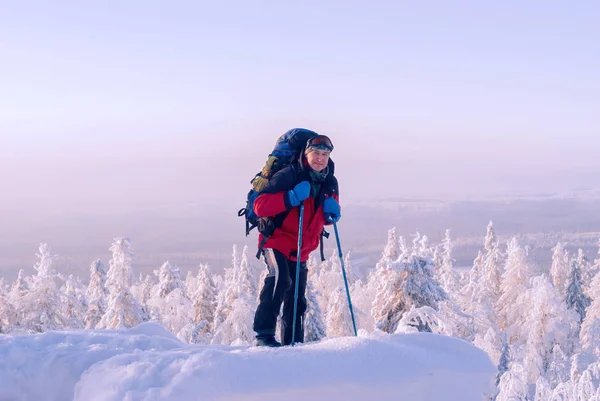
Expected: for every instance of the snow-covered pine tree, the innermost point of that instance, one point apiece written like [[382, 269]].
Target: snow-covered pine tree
[[446, 275], [560, 267], [559, 368], [543, 391], [590, 327], [586, 387], [586, 269], [351, 275], [75, 303], [329, 278], [514, 286], [19, 287], [123, 310], [314, 325], [227, 288], [338, 319], [205, 298], [380, 281], [595, 266], [574, 296], [425, 250], [8, 314], [171, 301], [237, 328], [191, 283], [392, 249], [413, 285], [491, 343], [17, 294], [42, 306], [547, 324], [590, 330], [513, 384], [361, 305], [491, 274], [383, 311], [96, 295], [504, 360], [469, 296]]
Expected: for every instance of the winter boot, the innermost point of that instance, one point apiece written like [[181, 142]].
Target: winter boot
[[268, 341]]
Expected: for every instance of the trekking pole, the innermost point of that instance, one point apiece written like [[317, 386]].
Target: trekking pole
[[337, 238], [297, 271]]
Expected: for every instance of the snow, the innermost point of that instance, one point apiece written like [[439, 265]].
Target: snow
[[149, 363]]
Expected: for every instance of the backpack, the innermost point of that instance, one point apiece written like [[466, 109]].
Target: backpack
[[287, 150]]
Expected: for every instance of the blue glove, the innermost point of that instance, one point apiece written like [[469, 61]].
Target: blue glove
[[331, 210], [299, 193]]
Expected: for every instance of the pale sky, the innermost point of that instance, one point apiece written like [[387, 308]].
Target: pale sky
[[142, 103]]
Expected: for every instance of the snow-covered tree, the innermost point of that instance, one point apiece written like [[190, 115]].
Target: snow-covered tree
[[339, 320], [560, 267], [425, 251], [380, 281], [515, 283], [123, 309], [412, 285], [329, 279], [587, 385], [169, 279], [590, 328], [237, 328], [392, 250], [491, 271], [445, 273], [543, 391], [227, 293], [586, 269], [246, 283], [205, 298], [481, 293], [504, 360], [143, 290], [191, 283], [574, 296], [491, 343], [362, 300], [314, 325], [470, 296], [41, 309], [383, 283], [19, 287], [562, 392], [8, 314], [547, 324], [513, 384], [351, 276], [170, 302], [559, 367], [17, 294], [96, 295], [75, 303]]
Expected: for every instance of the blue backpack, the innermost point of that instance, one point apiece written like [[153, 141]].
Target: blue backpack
[[287, 151]]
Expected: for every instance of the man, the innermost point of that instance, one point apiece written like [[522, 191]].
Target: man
[[311, 180]]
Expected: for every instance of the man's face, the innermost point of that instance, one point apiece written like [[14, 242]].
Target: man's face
[[317, 159]]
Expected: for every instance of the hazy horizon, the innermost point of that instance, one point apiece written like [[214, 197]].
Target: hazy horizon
[[109, 110]]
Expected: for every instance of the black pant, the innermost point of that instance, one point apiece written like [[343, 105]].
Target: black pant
[[279, 288]]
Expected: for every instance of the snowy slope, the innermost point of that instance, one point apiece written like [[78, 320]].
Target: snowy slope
[[148, 363]]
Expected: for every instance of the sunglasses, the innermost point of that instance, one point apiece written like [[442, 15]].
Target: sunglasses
[[320, 141]]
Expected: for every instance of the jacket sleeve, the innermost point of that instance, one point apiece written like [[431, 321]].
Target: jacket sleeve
[[274, 198]]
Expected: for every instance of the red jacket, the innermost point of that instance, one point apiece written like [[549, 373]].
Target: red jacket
[[274, 202]]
